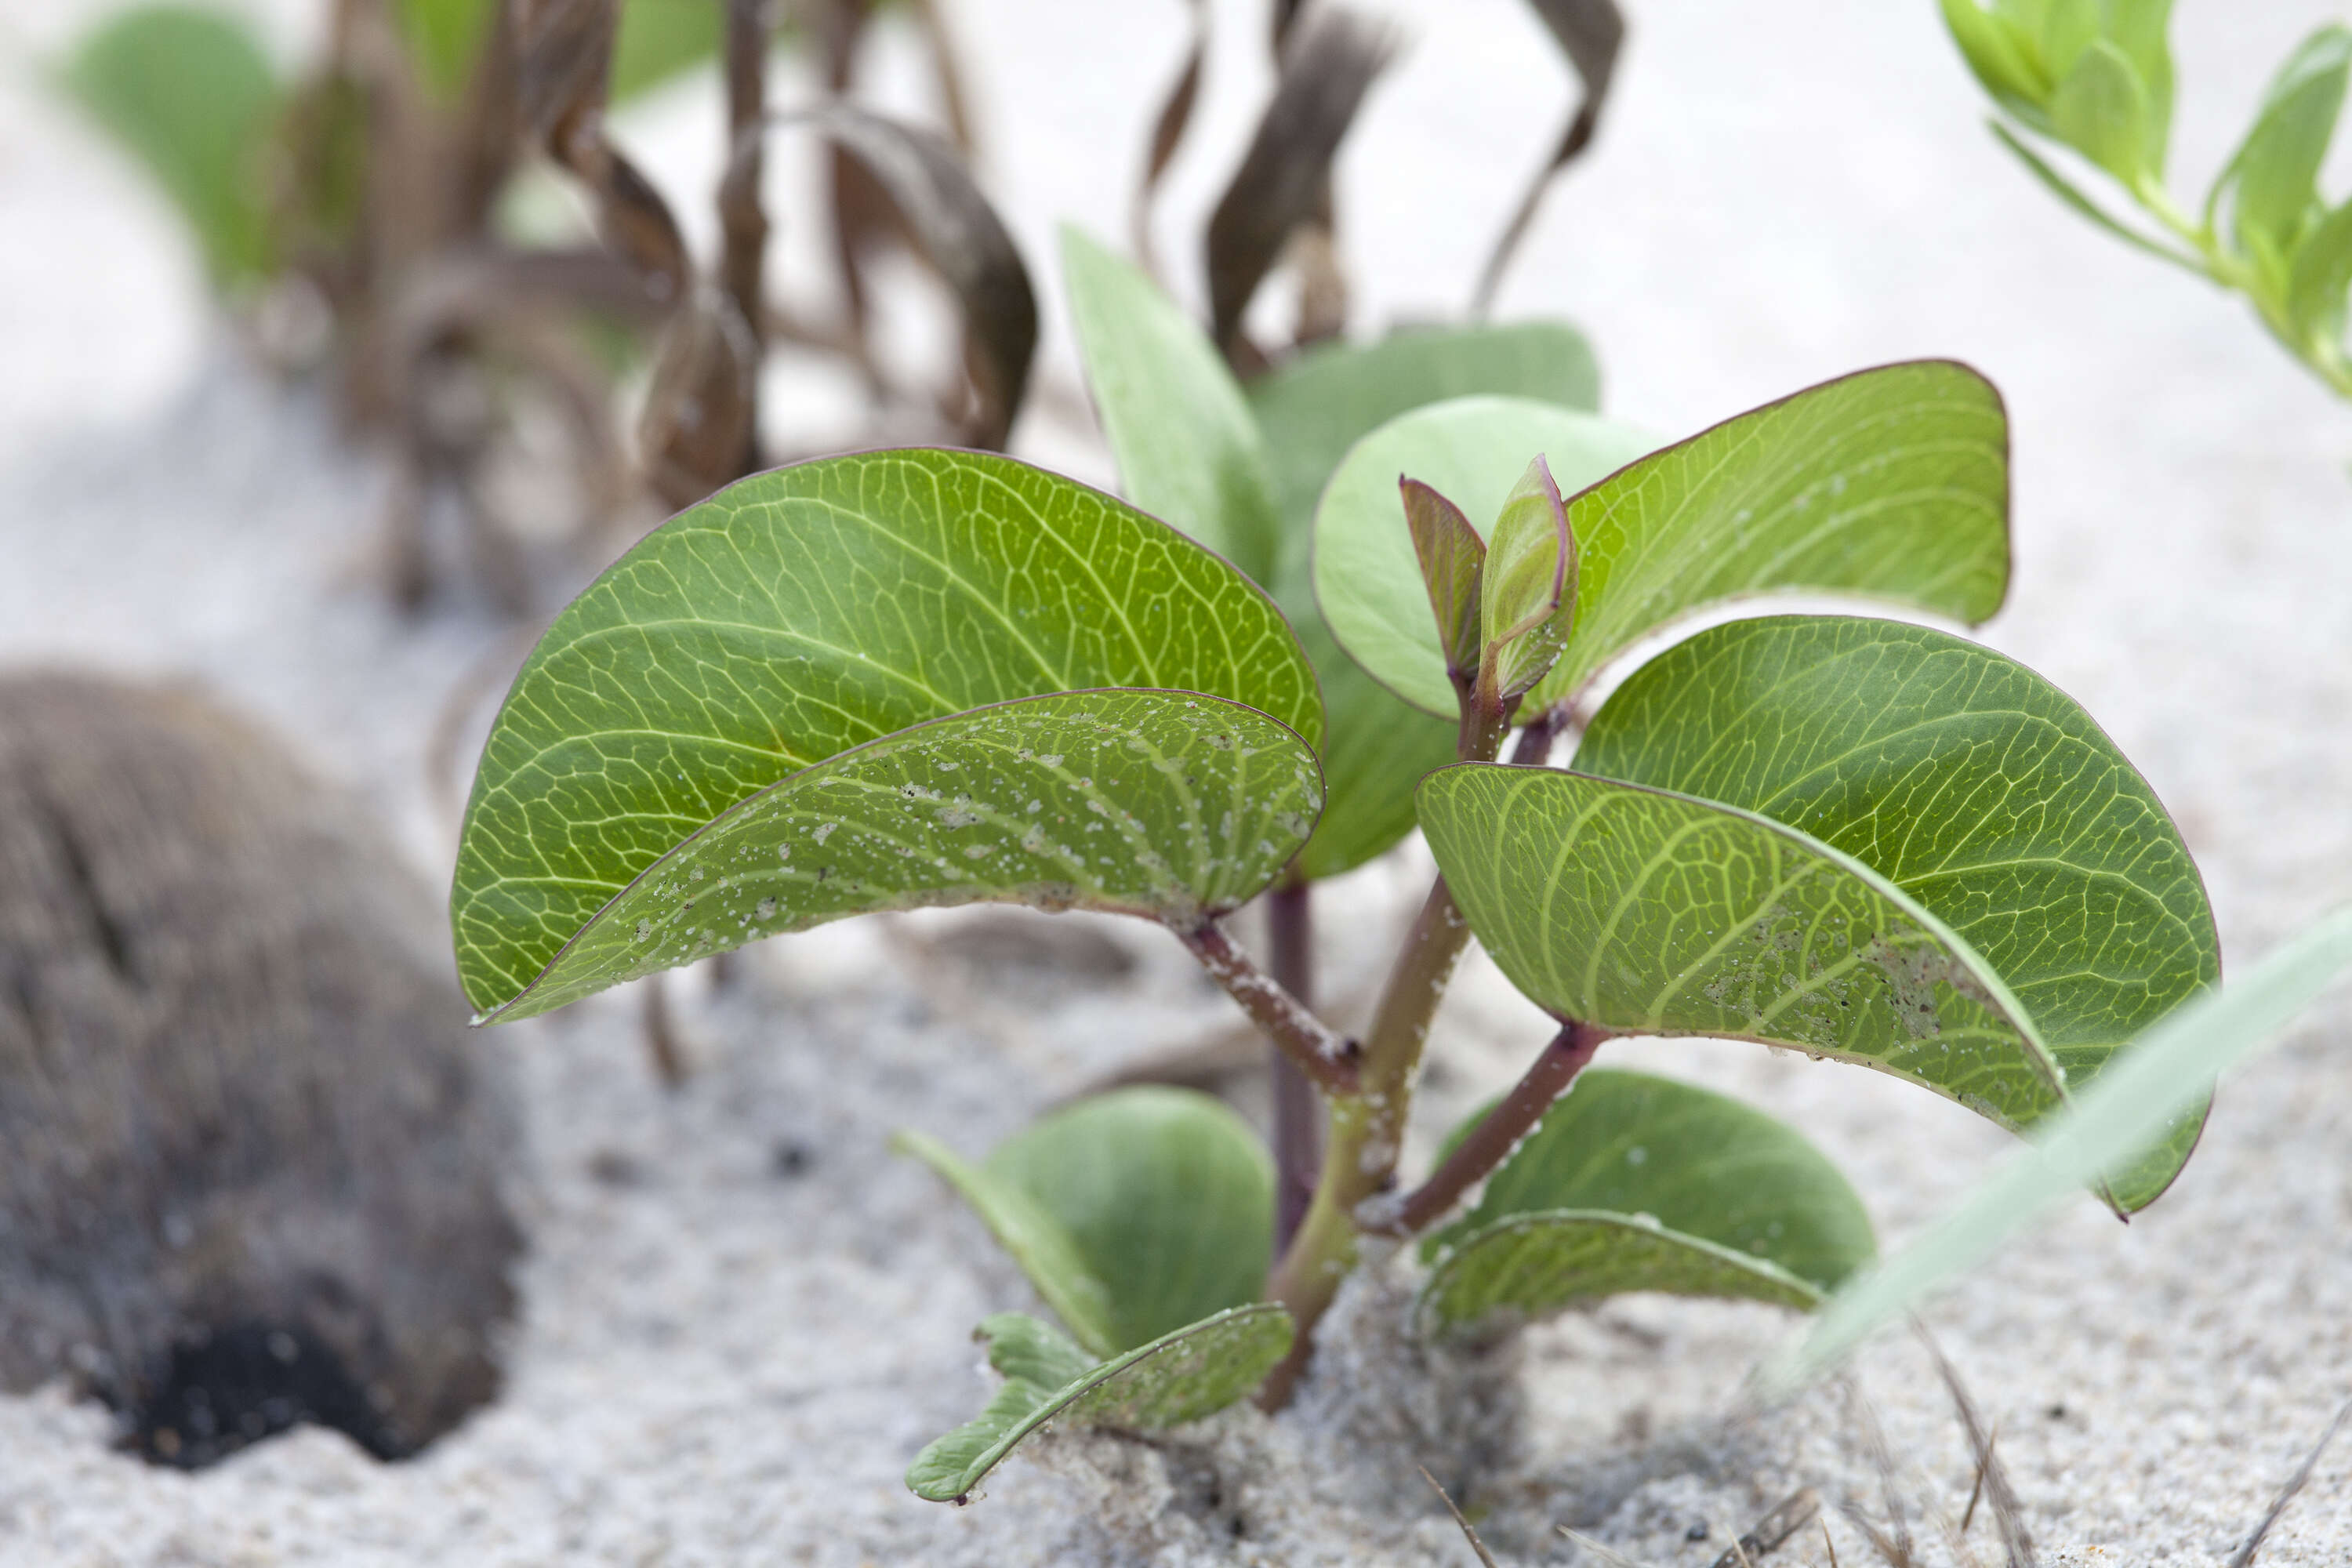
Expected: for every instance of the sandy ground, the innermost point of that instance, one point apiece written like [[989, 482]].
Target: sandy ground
[[743, 1316]]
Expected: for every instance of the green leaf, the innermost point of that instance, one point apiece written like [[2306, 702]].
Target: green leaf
[[1653, 913], [1635, 1182], [1530, 1267], [2322, 274], [2102, 110], [1377, 750], [1173, 806], [1891, 483], [1699, 1162], [1471, 450], [2065, 191], [1185, 1375], [1133, 1213], [189, 95], [1969, 783], [1315, 407], [1526, 594], [2165, 1075], [2012, 75], [1033, 1237], [1312, 409], [1188, 449], [804, 612], [1452, 561], [2141, 29], [2069, 27], [2274, 173]]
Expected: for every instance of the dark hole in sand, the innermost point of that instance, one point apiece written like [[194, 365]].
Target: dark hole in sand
[[219, 1392]]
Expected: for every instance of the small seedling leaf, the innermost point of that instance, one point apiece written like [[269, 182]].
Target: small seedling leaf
[[1966, 779], [1144, 1208], [1648, 913], [1637, 1182], [801, 613], [2164, 1075], [1185, 1375], [1171, 805], [189, 93]]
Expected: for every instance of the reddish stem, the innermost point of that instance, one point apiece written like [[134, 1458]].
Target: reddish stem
[[1297, 1108], [1499, 1131], [1327, 1058]]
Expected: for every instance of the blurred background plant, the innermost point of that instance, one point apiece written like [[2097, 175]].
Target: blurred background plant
[[2095, 79], [380, 217]]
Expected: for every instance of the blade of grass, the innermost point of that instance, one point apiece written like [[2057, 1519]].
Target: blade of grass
[[2168, 1070]]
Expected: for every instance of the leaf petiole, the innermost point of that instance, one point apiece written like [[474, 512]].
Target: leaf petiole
[[1497, 1133]]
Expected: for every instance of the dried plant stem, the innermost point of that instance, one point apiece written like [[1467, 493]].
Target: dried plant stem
[[2245, 1556], [662, 1048], [742, 222], [1500, 1131], [1330, 1059], [1297, 1110]]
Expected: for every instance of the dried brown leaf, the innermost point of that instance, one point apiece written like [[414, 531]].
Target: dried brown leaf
[[1328, 65], [1167, 134], [1591, 33], [959, 235], [697, 421]]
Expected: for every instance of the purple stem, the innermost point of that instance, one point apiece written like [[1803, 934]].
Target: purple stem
[[1297, 1108], [1476, 1157]]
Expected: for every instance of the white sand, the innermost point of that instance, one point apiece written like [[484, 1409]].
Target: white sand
[[720, 1363]]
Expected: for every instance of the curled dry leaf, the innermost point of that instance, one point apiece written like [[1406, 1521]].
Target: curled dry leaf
[[960, 236], [1167, 134], [698, 421], [1590, 33], [1328, 65]]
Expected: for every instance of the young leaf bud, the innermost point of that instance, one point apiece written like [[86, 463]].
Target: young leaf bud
[[1528, 587], [1452, 556]]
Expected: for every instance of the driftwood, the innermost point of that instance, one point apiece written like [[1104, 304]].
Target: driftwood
[[250, 1157]]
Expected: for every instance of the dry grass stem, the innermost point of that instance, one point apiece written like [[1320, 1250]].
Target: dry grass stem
[[1468, 1534], [2253, 1543]]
